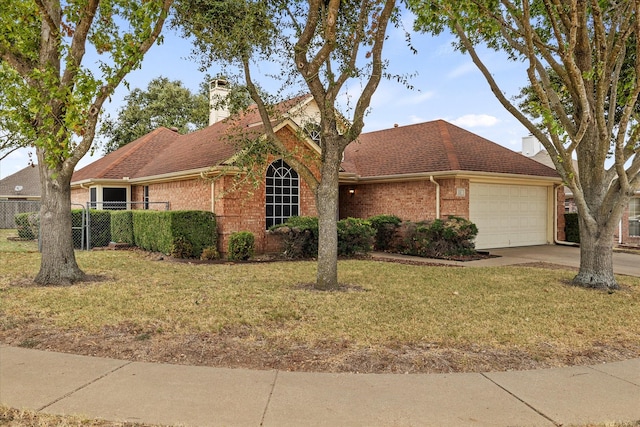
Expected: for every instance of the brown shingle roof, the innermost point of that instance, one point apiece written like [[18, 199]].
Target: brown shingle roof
[[164, 151], [435, 146], [27, 178]]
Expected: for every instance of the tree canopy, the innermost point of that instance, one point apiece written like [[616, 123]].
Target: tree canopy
[[164, 103], [60, 62], [584, 73], [318, 47]]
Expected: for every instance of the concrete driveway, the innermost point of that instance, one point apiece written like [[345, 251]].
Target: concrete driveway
[[623, 263]]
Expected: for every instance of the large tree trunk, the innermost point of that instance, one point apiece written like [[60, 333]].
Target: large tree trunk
[[58, 264], [596, 259], [327, 205]]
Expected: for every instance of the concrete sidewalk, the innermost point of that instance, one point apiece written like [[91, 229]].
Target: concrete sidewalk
[[200, 396]]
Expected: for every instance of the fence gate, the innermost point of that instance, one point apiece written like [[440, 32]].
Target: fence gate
[[80, 227]]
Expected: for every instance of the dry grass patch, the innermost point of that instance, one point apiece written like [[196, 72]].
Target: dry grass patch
[[25, 418], [390, 318]]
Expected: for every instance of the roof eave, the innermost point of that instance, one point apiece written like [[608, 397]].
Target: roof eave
[[352, 178]]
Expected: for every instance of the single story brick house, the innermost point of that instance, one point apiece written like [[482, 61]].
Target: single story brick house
[[416, 172]]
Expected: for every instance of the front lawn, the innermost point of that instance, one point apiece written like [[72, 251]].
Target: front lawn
[[388, 317]]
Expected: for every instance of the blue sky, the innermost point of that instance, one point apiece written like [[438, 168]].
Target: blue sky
[[446, 86]]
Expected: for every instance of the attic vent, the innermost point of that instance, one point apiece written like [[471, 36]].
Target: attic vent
[[18, 188]]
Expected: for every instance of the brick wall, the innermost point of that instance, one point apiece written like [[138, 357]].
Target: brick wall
[[410, 201], [80, 196]]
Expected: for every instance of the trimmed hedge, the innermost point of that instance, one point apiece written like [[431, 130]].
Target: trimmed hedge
[[571, 228], [122, 227], [172, 232], [100, 227], [440, 239]]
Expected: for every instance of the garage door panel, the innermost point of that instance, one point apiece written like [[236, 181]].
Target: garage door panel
[[508, 215]]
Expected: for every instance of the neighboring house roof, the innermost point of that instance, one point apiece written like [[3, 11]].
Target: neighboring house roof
[[24, 183], [436, 146]]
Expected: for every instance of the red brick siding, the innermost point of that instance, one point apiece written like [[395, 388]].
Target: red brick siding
[[191, 194], [410, 201], [80, 196]]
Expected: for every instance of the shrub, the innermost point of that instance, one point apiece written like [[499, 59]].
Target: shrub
[[355, 236], [571, 227], [386, 227], [181, 248], [440, 239], [99, 227], [122, 227], [210, 253], [28, 225], [169, 231], [300, 236], [241, 246]]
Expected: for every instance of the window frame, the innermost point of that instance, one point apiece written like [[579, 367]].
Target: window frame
[[282, 193]]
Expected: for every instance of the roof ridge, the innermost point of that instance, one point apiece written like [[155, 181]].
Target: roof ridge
[[143, 140], [452, 155]]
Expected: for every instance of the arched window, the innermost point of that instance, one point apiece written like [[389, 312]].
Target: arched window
[[282, 193]]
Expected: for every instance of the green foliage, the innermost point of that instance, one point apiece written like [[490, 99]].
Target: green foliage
[[241, 246], [28, 225], [571, 227], [181, 248], [386, 227], [152, 230], [183, 233], [300, 236], [100, 228], [355, 236], [122, 227], [164, 103], [210, 253], [440, 239]]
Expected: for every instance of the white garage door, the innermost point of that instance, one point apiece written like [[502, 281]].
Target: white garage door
[[508, 215]]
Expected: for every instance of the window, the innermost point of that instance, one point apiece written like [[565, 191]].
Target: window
[[145, 196], [282, 193], [108, 198], [93, 197], [634, 216], [114, 198]]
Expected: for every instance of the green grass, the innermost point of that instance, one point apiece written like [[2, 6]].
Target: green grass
[[388, 305]]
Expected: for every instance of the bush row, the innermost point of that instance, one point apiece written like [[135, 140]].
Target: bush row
[[438, 238], [183, 234]]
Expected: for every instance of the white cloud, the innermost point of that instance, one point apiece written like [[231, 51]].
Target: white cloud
[[462, 70], [413, 119], [418, 98], [476, 120]]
